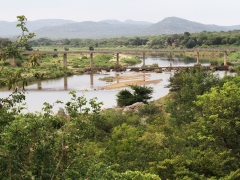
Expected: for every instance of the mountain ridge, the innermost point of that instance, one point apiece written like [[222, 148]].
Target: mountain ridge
[[109, 28]]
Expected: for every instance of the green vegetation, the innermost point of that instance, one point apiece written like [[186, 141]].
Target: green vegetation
[[154, 65], [139, 94], [193, 133], [204, 39], [10, 77], [131, 61]]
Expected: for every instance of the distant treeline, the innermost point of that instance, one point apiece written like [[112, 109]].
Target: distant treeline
[[185, 40]]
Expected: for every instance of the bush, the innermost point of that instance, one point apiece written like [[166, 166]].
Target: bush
[[148, 109], [125, 98], [6, 63], [140, 94], [213, 62], [75, 65], [154, 65], [84, 57], [55, 56], [131, 61]]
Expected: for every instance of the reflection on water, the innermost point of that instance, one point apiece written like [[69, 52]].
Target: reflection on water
[[167, 61], [58, 89], [65, 82], [88, 85]]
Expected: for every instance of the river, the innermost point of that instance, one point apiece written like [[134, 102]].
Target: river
[[89, 85]]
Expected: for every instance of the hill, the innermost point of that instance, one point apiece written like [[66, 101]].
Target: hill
[[128, 21], [9, 28], [174, 25], [92, 30], [58, 28]]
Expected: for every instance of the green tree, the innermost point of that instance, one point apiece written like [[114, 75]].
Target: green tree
[[185, 86], [190, 43], [4, 42], [91, 48], [221, 112], [66, 41], [140, 94], [14, 79]]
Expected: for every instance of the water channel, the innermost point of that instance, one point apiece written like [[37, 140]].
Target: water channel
[[90, 86]]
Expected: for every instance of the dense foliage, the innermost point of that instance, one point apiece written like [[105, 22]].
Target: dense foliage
[[193, 134], [185, 40]]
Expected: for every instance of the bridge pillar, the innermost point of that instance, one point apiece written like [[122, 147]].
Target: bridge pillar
[[65, 82], [143, 60], [117, 63], [225, 58], [198, 58], [91, 79], [117, 77], [91, 60], [11, 61], [65, 60]]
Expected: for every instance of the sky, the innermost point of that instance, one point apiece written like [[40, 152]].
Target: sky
[[218, 12]]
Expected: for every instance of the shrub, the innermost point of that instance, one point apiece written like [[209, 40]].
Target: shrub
[[84, 57], [125, 98], [6, 63], [131, 61], [55, 56], [75, 65], [154, 65], [140, 94], [148, 109], [213, 62]]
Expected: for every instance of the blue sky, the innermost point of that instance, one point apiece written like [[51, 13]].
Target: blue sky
[[219, 12]]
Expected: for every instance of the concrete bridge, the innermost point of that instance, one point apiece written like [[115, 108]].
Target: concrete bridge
[[142, 52]]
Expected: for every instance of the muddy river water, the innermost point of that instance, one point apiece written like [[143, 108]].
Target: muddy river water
[[91, 86]]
